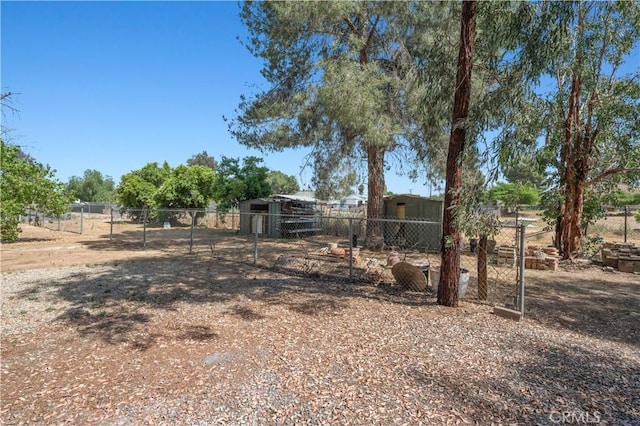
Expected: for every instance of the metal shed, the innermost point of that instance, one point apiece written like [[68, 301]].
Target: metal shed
[[280, 216], [266, 222], [417, 235]]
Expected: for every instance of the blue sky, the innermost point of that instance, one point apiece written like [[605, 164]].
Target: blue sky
[[112, 86]]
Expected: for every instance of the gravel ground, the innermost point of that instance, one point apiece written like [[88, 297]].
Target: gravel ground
[[191, 341]]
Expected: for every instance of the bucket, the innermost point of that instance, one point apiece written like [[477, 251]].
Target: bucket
[[434, 277], [462, 284], [425, 271]]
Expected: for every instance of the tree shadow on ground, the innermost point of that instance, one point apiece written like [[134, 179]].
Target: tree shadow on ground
[[598, 306], [116, 303], [157, 238], [580, 301], [549, 380]]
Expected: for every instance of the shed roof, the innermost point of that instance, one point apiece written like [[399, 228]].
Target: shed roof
[[283, 197], [414, 196], [294, 197]]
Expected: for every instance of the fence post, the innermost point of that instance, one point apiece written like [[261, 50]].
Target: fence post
[[626, 223], [81, 218], [144, 228], [58, 223], [255, 240], [111, 225], [521, 268], [350, 248], [193, 220]]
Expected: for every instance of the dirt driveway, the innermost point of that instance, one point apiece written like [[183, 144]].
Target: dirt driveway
[[40, 247], [144, 337]]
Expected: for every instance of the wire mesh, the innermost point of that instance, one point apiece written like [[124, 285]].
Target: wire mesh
[[343, 247]]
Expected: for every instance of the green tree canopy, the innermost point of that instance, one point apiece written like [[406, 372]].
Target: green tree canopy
[[281, 183], [336, 186], [25, 182], [186, 187], [92, 187], [524, 169], [137, 188], [235, 182], [339, 76], [583, 124], [156, 187], [203, 159], [620, 198], [514, 194]]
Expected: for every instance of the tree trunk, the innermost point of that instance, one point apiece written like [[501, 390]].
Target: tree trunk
[[374, 239], [572, 223], [450, 270], [575, 157], [482, 268], [557, 241]]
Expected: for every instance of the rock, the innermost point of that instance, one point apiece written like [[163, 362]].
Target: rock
[[283, 260], [409, 277], [337, 251], [218, 358], [371, 262], [393, 258]]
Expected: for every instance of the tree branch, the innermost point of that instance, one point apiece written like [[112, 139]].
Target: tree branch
[[373, 30], [610, 172], [351, 25]]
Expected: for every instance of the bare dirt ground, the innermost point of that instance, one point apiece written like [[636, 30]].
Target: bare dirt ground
[[131, 336], [39, 247]]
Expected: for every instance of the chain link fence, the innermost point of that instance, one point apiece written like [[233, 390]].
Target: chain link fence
[[618, 225], [333, 245], [323, 246], [71, 221]]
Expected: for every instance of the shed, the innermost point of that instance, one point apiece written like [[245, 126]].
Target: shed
[[413, 207], [266, 222], [280, 216]]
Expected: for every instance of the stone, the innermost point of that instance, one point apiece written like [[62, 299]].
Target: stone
[[393, 258], [629, 264], [507, 313], [337, 251]]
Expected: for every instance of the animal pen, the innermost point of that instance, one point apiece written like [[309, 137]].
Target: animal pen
[[333, 248]]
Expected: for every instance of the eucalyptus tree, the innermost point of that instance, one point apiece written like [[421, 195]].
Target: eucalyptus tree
[[451, 107], [337, 72], [582, 121], [447, 293]]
